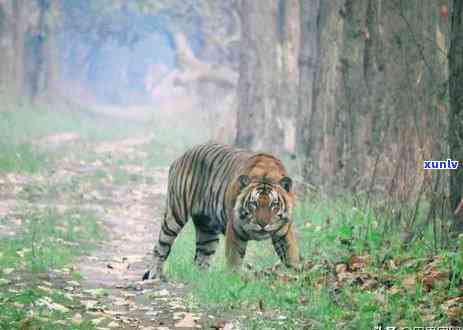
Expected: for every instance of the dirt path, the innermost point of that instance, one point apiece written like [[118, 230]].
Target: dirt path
[[119, 264], [131, 214], [129, 199]]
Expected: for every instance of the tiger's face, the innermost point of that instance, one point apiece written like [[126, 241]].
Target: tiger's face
[[263, 206]]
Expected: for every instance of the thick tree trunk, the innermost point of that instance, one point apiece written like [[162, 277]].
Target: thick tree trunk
[[367, 84], [19, 22], [267, 87], [355, 116], [456, 108], [47, 71], [6, 50], [308, 68], [288, 51], [258, 83], [322, 30], [51, 50]]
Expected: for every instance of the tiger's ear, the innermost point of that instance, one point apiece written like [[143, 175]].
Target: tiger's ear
[[244, 181], [286, 183]]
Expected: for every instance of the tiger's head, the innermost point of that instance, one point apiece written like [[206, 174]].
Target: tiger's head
[[263, 205]]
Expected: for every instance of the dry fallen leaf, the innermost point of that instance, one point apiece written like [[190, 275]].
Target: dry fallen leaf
[[427, 315], [228, 326], [436, 279], [98, 320], [113, 325], [303, 300], [394, 290], [359, 262], [162, 293], [46, 301], [409, 283], [341, 268], [187, 322], [454, 308], [369, 284], [45, 289], [77, 319], [89, 303], [219, 325]]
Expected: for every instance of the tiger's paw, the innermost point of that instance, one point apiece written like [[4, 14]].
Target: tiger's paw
[[204, 265], [150, 275], [146, 276]]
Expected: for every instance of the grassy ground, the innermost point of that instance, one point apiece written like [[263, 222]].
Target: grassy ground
[[356, 272], [41, 252], [356, 276], [39, 288], [20, 129], [48, 243]]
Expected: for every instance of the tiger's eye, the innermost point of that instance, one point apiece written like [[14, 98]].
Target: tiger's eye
[[252, 206], [274, 206]]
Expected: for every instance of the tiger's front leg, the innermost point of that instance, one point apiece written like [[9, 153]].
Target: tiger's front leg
[[170, 229], [235, 248], [156, 270], [286, 247]]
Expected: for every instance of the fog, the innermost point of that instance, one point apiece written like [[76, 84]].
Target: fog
[[359, 100], [147, 58]]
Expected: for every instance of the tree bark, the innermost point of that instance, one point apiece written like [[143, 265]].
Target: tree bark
[[456, 108], [367, 91], [47, 71], [19, 29], [308, 67], [267, 86], [322, 31], [6, 50], [257, 85], [288, 51], [50, 48]]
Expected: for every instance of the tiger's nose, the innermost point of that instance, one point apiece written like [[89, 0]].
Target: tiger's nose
[[262, 223]]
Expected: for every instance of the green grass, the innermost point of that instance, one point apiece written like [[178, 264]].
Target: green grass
[[330, 233], [33, 122], [49, 240], [21, 158]]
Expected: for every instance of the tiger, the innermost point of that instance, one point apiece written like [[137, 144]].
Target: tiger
[[238, 193]]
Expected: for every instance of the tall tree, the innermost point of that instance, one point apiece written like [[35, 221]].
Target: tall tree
[[19, 23], [456, 107], [47, 49], [267, 87], [308, 69], [258, 83], [368, 92], [6, 49], [28, 50]]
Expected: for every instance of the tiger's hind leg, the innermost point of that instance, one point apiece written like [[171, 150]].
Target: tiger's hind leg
[[286, 247], [207, 240], [170, 228]]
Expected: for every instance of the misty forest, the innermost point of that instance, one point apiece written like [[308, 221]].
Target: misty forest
[[362, 101]]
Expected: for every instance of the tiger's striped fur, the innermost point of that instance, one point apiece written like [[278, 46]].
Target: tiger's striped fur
[[239, 193]]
